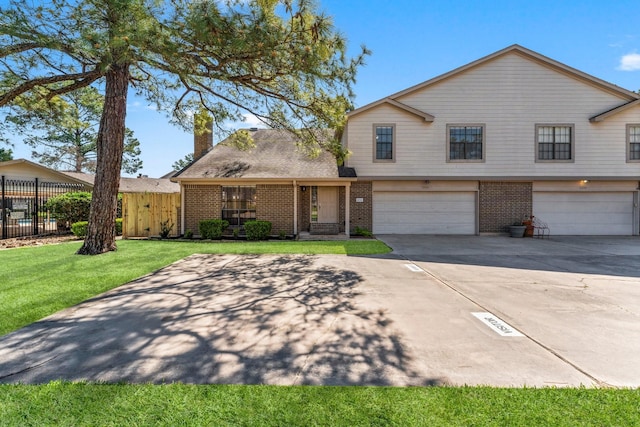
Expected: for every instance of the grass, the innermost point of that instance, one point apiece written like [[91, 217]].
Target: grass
[[66, 404], [39, 281]]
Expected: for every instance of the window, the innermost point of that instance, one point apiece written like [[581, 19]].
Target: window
[[384, 145], [238, 204], [555, 142], [633, 139], [465, 142]]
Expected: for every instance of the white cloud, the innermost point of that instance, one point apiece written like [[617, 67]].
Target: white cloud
[[630, 62], [252, 121]]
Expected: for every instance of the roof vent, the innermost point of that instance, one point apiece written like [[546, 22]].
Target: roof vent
[[253, 129]]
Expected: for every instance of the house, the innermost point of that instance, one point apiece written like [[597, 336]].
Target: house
[[275, 181], [471, 151]]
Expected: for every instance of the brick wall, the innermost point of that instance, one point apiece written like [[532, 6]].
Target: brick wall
[[361, 213], [341, 209], [275, 203], [502, 204], [201, 202], [304, 209]]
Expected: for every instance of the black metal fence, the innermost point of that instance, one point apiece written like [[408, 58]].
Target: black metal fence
[[22, 204]]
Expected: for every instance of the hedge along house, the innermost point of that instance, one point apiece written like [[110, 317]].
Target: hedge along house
[[274, 181]]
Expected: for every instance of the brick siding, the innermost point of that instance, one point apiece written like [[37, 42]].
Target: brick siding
[[503, 203], [275, 203], [361, 213], [201, 202], [304, 209]]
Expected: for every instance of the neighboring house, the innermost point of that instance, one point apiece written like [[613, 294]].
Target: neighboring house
[[471, 151], [25, 187], [141, 184], [510, 135]]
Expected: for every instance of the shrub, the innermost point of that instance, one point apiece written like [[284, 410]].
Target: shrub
[[359, 231], [212, 228], [257, 230], [188, 234], [118, 226], [79, 228], [165, 229], [71, 207]]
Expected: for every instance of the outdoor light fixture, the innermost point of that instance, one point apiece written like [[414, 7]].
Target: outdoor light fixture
[[585, 181], [303, 188]]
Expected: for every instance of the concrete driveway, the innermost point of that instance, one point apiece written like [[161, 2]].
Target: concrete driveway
[[568, 310]]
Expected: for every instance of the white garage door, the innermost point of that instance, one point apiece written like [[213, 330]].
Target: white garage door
[[585, 213], [424, 213]]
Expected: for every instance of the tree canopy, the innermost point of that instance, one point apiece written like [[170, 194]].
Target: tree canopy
[[63, 131], [6, 154], [280, 60]]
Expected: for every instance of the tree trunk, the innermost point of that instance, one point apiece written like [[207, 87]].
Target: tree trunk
[[101, 232]]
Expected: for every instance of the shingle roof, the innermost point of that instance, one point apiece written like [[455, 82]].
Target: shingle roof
[[275, 155], [134, 185]]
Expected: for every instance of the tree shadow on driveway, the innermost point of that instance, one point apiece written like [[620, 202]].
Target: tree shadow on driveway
[[220, 319]]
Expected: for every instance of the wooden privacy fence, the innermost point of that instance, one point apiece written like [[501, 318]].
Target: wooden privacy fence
[[144, 213]]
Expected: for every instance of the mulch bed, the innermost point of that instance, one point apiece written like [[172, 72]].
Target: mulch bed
[[19, 242]]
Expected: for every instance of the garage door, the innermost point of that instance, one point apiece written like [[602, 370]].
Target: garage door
[[424, 213], [585, 213]]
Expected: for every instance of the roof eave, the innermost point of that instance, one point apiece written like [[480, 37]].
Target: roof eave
[[602, 116], [541, 59]]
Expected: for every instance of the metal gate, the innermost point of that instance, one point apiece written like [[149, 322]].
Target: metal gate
[[22, 206]]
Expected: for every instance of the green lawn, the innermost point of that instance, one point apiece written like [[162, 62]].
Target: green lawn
[[42, 280], [38, 281], [67, 404]]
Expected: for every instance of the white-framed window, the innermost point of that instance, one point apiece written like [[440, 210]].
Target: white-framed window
[[465, 142], [554, 142], [384, 144], [633, 142]]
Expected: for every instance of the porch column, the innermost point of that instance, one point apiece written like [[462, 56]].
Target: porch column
[[295, 208], [347, 208]]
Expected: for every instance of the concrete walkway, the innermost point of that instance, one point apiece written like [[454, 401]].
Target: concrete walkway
[[400, 319]]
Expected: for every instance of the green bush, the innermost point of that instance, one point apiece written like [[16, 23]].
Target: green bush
[[165, 229], [118, 226], [79, 228], [257, 230], [212, 228], [359, 231], [71, 207]]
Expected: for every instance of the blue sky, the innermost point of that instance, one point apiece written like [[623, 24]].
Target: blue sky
[[413, 41]]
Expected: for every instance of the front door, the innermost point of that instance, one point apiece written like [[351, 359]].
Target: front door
[[327, 205]]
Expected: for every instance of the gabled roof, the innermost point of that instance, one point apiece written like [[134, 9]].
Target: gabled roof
[[600, 117], [52, 172], [133, 185], [518, 50], [414, 111], [275, 156]]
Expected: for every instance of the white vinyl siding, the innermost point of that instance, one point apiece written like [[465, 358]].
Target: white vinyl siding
[[424, 212], [509, 95], [596, 213]]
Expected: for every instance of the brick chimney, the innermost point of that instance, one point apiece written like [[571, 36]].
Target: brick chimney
[[203, 142]]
